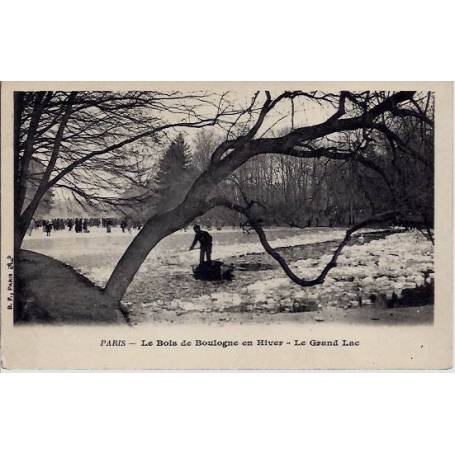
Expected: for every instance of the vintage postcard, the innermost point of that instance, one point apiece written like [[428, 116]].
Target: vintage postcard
[[226, 225]]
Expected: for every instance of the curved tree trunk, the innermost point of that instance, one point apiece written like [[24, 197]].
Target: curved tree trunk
[[229, 156], [161, 225], [156, 229]]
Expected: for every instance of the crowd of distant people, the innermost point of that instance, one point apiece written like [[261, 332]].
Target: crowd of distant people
[[83, 225]]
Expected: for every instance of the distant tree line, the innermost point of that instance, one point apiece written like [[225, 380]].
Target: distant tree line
[[301, 193]]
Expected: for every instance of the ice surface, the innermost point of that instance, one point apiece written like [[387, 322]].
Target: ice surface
[[384, 266]]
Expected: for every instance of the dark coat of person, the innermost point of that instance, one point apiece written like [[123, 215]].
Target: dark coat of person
[[205, 241]]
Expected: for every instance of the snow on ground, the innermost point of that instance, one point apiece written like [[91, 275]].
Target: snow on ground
[[389, 265], [384, 266], [164, 288]]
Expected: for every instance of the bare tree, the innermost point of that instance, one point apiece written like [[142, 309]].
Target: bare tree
[[205, 142], [83, 142], [352, 112]]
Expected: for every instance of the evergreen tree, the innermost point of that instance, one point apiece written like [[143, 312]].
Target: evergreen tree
[[173, 176]]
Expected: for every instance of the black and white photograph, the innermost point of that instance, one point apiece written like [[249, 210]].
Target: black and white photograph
[[233, 215], [199, 205]]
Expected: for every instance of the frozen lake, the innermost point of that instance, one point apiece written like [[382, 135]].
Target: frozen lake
[[96, 253], [67, 244], [164, 289]]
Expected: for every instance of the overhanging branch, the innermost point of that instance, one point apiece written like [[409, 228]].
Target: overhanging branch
[[256, 225]]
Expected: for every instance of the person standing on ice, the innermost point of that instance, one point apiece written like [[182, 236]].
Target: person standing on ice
[[205, 241], [48, 227]]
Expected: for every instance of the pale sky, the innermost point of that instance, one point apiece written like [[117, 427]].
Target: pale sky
[[307, 112]]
